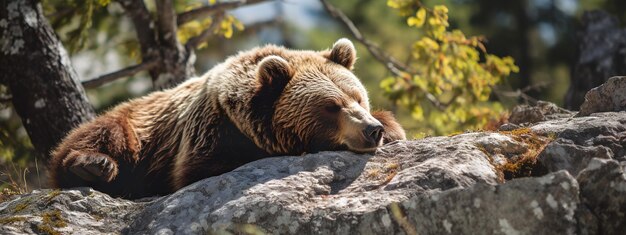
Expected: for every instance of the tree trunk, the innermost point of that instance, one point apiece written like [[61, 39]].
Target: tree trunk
[[46, 90], [524, 61], [601, 55], [158, 41]]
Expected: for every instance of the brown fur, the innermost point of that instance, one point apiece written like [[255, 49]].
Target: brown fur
[[265, 102]]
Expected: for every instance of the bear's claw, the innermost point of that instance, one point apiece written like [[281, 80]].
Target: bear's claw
[[94, 167]]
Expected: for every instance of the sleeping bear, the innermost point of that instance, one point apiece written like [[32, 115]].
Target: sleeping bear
[[268, 101]]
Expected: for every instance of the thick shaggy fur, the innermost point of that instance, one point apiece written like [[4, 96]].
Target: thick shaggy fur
[[265, 102]]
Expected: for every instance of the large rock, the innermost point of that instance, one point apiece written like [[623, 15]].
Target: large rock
[[437, 185], [323, 193], [603, 192], [578, 140], [544, 205], [564, 154], [608, 97], [542, 111], [77, 211]]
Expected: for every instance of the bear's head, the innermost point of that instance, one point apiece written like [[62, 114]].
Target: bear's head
[[317, 102]]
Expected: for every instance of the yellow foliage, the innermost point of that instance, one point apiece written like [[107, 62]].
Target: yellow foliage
[[447, 65], [224, 28], [104, 2], [403, 6], [192, 29], [419, 19]]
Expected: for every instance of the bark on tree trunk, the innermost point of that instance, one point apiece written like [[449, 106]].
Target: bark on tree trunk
[[524, 61], [158, 41], [46, 90]]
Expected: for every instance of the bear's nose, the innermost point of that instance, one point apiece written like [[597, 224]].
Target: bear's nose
[[374, 133]]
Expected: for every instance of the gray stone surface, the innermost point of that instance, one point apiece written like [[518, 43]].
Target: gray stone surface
[[75, 211], [543, 205], [436, 185], [564, 154], [312, 194], [599, 134], [542, 111], [603, 192], [608, 97]]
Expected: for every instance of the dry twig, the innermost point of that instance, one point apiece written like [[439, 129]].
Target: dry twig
[[128, 71], [202, 12]]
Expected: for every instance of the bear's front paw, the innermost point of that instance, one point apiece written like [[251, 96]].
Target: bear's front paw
[[93, 167]]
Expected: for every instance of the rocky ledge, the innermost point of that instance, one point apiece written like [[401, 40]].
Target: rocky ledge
[[559, 173]]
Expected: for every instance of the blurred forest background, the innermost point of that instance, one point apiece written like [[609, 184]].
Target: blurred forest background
[[540, 36]]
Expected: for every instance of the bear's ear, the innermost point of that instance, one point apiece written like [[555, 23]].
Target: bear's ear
[[343, 53], [274, 73]]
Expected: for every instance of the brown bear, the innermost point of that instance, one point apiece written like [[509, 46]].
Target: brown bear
[[268, 101]]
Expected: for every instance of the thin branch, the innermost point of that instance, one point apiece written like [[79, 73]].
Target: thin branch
[[536, 87], [262, 24], [204, 36], [517, 94], [395, 67], [61, 13], [203, 12], [197, 40], [128, 71], [371, 47], [521, 93]]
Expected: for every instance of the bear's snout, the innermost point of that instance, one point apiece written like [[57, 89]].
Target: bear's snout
[[374, 133], [359, 130]]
